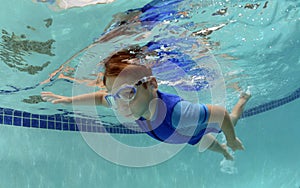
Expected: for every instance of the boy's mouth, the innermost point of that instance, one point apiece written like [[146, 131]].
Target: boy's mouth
[[128, 115]]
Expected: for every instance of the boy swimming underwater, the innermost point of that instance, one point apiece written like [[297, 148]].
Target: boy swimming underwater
[[133, 91]]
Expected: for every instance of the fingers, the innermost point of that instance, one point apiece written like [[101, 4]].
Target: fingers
[[55, 99], [50, 97], [46, 92], [50, 94]]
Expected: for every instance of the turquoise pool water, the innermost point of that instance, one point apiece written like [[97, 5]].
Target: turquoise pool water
[[257, 48], [38, 158]]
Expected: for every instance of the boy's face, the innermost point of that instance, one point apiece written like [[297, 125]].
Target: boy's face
[[139, 105]]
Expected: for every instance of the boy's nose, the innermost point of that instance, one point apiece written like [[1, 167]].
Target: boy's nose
[[123, 106]]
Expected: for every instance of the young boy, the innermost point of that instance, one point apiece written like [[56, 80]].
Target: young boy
[[133, 91]]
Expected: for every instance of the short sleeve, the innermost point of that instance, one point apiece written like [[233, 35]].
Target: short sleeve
[[188, 118]]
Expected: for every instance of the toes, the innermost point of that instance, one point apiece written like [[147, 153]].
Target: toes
[[229, 157], [236, 147], [245, 96]]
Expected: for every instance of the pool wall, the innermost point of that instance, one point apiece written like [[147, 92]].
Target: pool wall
[[40, 158]]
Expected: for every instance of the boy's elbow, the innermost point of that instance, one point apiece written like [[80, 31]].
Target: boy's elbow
[[100, 99]]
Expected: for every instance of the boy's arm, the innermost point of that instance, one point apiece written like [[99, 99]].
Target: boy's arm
[[96, 98]]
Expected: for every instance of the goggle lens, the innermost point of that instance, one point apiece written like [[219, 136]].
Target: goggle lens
[[127, 93]]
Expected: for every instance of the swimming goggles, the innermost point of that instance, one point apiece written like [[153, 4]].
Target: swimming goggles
[[125, 93]]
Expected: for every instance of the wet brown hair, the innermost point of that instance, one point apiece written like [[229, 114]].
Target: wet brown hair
[[120, 60]]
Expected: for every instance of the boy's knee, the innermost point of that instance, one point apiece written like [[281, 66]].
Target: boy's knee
[[217, 113], [233, 116]]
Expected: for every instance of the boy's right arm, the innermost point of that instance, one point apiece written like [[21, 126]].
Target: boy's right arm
[[96, 98]]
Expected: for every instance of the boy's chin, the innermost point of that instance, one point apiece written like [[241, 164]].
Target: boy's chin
[[126, 117]]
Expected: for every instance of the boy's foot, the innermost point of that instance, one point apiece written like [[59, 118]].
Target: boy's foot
[[235, 145], [245, 96], [239, 107], [226, 154]]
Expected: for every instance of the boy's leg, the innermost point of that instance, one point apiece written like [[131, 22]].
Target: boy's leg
[[220, 115], [239, 107], [208, 141]]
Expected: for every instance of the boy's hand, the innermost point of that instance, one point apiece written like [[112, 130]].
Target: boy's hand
[[55, 99]]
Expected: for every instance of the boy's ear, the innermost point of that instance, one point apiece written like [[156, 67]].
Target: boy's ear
[[153, 83]]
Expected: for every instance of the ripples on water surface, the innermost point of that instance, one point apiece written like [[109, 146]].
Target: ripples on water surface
[[256, 45]]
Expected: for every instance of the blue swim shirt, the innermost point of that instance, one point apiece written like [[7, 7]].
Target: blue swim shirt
[[177, 121]]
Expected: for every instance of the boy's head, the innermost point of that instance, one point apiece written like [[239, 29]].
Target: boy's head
[[130, 83]]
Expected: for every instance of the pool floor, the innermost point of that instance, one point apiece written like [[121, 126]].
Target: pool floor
[[45, 158]]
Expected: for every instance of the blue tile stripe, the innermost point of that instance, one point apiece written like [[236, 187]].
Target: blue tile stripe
[[272, 104], [65, 122], [61, 122]]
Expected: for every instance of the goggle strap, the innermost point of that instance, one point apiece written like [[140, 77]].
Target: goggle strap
[[108, 101]]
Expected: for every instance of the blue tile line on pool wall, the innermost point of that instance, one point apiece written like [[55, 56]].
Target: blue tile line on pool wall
[[272, 104], [61, 122], [67, 123]]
